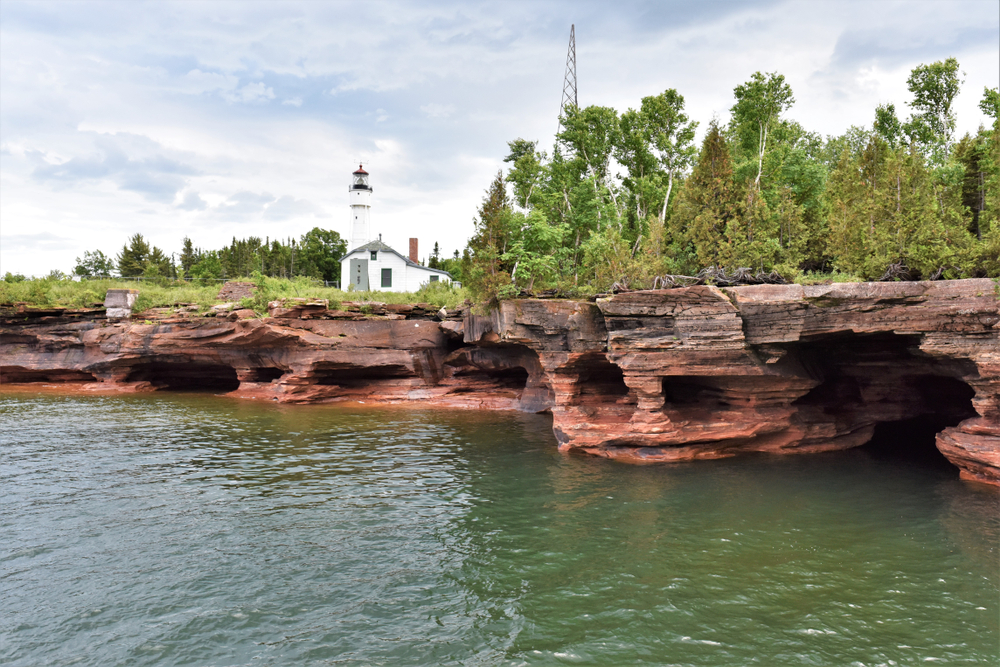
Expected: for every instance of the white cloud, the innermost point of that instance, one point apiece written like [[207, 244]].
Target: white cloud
[[435, 110], [196, 82], [109, 110], [251, 93]]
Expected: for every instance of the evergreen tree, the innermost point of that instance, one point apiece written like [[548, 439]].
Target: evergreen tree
[[708, 204], [133, 257], [435, 260], [489, 274], [189, 257]]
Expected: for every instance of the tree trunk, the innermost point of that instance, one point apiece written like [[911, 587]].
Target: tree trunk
[[670, 186]]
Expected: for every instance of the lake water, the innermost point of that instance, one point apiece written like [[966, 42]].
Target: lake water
[[198, 530]]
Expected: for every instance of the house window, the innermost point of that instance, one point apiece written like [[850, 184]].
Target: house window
[[434, 279], [386, 277], [374, 255]]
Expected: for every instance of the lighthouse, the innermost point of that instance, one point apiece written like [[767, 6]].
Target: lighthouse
[[360, 193]]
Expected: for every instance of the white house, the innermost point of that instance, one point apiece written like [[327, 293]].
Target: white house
[[377, 267], [372, 265]]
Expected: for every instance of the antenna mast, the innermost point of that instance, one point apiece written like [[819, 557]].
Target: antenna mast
[[569, 82]]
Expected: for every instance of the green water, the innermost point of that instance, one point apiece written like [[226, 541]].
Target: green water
[[196, 530]]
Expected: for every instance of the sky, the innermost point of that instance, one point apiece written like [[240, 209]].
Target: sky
[[214, 120]]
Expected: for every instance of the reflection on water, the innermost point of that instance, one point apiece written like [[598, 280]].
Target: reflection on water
[[192, 529]]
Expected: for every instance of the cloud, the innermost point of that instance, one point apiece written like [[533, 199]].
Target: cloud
[[46, 241], [243, 206], [893, 48], [130, 162], [197, 82], [252, 93], [288, 207], [109, 109], [435, 110], [192, 202]]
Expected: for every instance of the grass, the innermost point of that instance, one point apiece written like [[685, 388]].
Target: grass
[[48, 292], [809, 278]]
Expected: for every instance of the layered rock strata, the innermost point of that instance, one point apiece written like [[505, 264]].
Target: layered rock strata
[[668, 375]]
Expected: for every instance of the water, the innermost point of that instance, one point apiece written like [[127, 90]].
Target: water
[[198, 530]]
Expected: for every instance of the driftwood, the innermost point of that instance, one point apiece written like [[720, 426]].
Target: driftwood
[[717, 275], [897, 271]]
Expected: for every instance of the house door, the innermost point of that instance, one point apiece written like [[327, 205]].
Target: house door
[[359, 274]]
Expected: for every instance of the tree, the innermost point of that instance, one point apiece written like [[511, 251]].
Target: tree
[[708, 203], [671, 135], [320, 252], [138, 258], [133, 257], [209, 267], [189, 257], [972, 154], [934, 88], [759, 105], [526, 169], [435, 259], [94, 263], [489, 275], [887, 125], [158, 265], [990, 104]]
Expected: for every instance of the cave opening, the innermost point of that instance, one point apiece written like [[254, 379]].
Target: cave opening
[[510, 378], [911, 442], [186, 376], [683, 390], [885, 379], [357, 377], [604, 379], [18, 375], [264, 374]]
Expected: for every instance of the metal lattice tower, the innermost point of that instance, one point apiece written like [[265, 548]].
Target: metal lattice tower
[[569, 82]]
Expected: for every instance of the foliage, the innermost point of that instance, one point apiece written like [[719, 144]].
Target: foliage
[[138, 258], [320, 253], [87, 293], [94, 263], [934, 88], [625, 197]]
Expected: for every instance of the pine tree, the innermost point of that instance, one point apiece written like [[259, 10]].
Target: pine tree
[[133, 257], [489, 274], [709, 203]]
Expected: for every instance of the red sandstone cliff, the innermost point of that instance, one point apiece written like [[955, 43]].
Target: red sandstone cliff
[[667, 375]]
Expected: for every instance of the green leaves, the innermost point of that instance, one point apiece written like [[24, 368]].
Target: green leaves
[[94, 263], [990, 104], [320, 251], [934, 88]]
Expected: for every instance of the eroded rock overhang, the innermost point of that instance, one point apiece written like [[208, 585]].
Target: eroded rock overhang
[[667, 375]]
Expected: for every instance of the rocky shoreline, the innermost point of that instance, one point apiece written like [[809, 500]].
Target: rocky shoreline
[[647, 376]]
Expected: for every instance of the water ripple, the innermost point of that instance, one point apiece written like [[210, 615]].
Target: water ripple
[[185, 529]]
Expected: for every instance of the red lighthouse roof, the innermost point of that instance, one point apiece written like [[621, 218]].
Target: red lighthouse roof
[[361, 170]]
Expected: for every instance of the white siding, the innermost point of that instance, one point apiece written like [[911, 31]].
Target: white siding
[[387, 260], [416, 276], [405, 278]]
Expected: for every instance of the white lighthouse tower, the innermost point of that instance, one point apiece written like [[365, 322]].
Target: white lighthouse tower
[[360, 194]]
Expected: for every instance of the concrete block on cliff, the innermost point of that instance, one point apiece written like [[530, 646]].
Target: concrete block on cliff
[[119, 303]]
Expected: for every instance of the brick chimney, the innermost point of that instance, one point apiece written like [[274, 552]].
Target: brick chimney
[[413, 251]]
